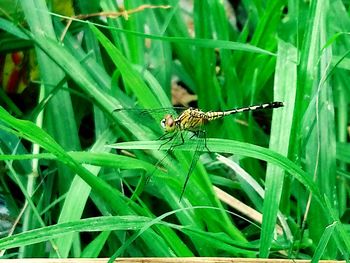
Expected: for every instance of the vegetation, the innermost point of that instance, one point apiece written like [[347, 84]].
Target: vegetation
[[73, 194]]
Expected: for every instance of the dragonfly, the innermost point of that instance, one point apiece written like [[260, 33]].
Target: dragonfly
[[195, 120]]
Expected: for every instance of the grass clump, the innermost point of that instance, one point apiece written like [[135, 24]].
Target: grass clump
[[288, 167]]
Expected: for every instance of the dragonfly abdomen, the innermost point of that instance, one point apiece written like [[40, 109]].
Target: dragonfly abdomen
[[193, 119], [213, 115], [270, 105]]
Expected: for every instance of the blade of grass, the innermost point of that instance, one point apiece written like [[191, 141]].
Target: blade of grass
[[114, 198], [239, 148], [93, 249], [322, 245], [59, 115], [318, 124], [77, 196], [104, 223], [9, 27], [206, 43], [132, 79], [286, 75]]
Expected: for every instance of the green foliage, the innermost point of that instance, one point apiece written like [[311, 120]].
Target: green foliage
[[89, 175]]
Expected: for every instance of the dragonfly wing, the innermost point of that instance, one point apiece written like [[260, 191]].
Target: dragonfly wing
[[144, 181], [154, 112], [158, 164], [201, 143], [173, 141]]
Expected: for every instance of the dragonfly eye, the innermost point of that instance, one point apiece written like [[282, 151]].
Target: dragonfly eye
[[168, 123], [162, 123]]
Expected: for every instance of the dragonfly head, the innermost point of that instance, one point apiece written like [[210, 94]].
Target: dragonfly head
[[168, 123]]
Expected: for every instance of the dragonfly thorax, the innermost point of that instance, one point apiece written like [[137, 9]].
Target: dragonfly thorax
[[168, 123]]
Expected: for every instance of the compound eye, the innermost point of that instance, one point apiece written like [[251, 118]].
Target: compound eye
[[162, 123], [168, 123]]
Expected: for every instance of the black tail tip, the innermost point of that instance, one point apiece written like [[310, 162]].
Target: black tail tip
[[277, 104]]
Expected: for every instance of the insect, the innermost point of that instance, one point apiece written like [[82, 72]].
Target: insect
[[194, 120]]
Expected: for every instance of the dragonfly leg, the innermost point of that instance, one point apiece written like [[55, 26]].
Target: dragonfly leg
[[148, 178], [164, 136], [198, 150], [167, 139], [205, 140], [180, 143], [201, 134]]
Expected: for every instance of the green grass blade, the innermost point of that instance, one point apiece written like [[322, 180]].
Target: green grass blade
[[132, 79], [89, 224], [322, 245], [77, 196], [239, 148], [285, 86]]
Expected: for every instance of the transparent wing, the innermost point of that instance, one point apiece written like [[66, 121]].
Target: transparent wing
[[173, 142], [201, 144], [147, 117], [154, 112]]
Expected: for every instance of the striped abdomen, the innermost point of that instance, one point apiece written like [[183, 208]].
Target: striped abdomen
[[193, 119], [219, 114]]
